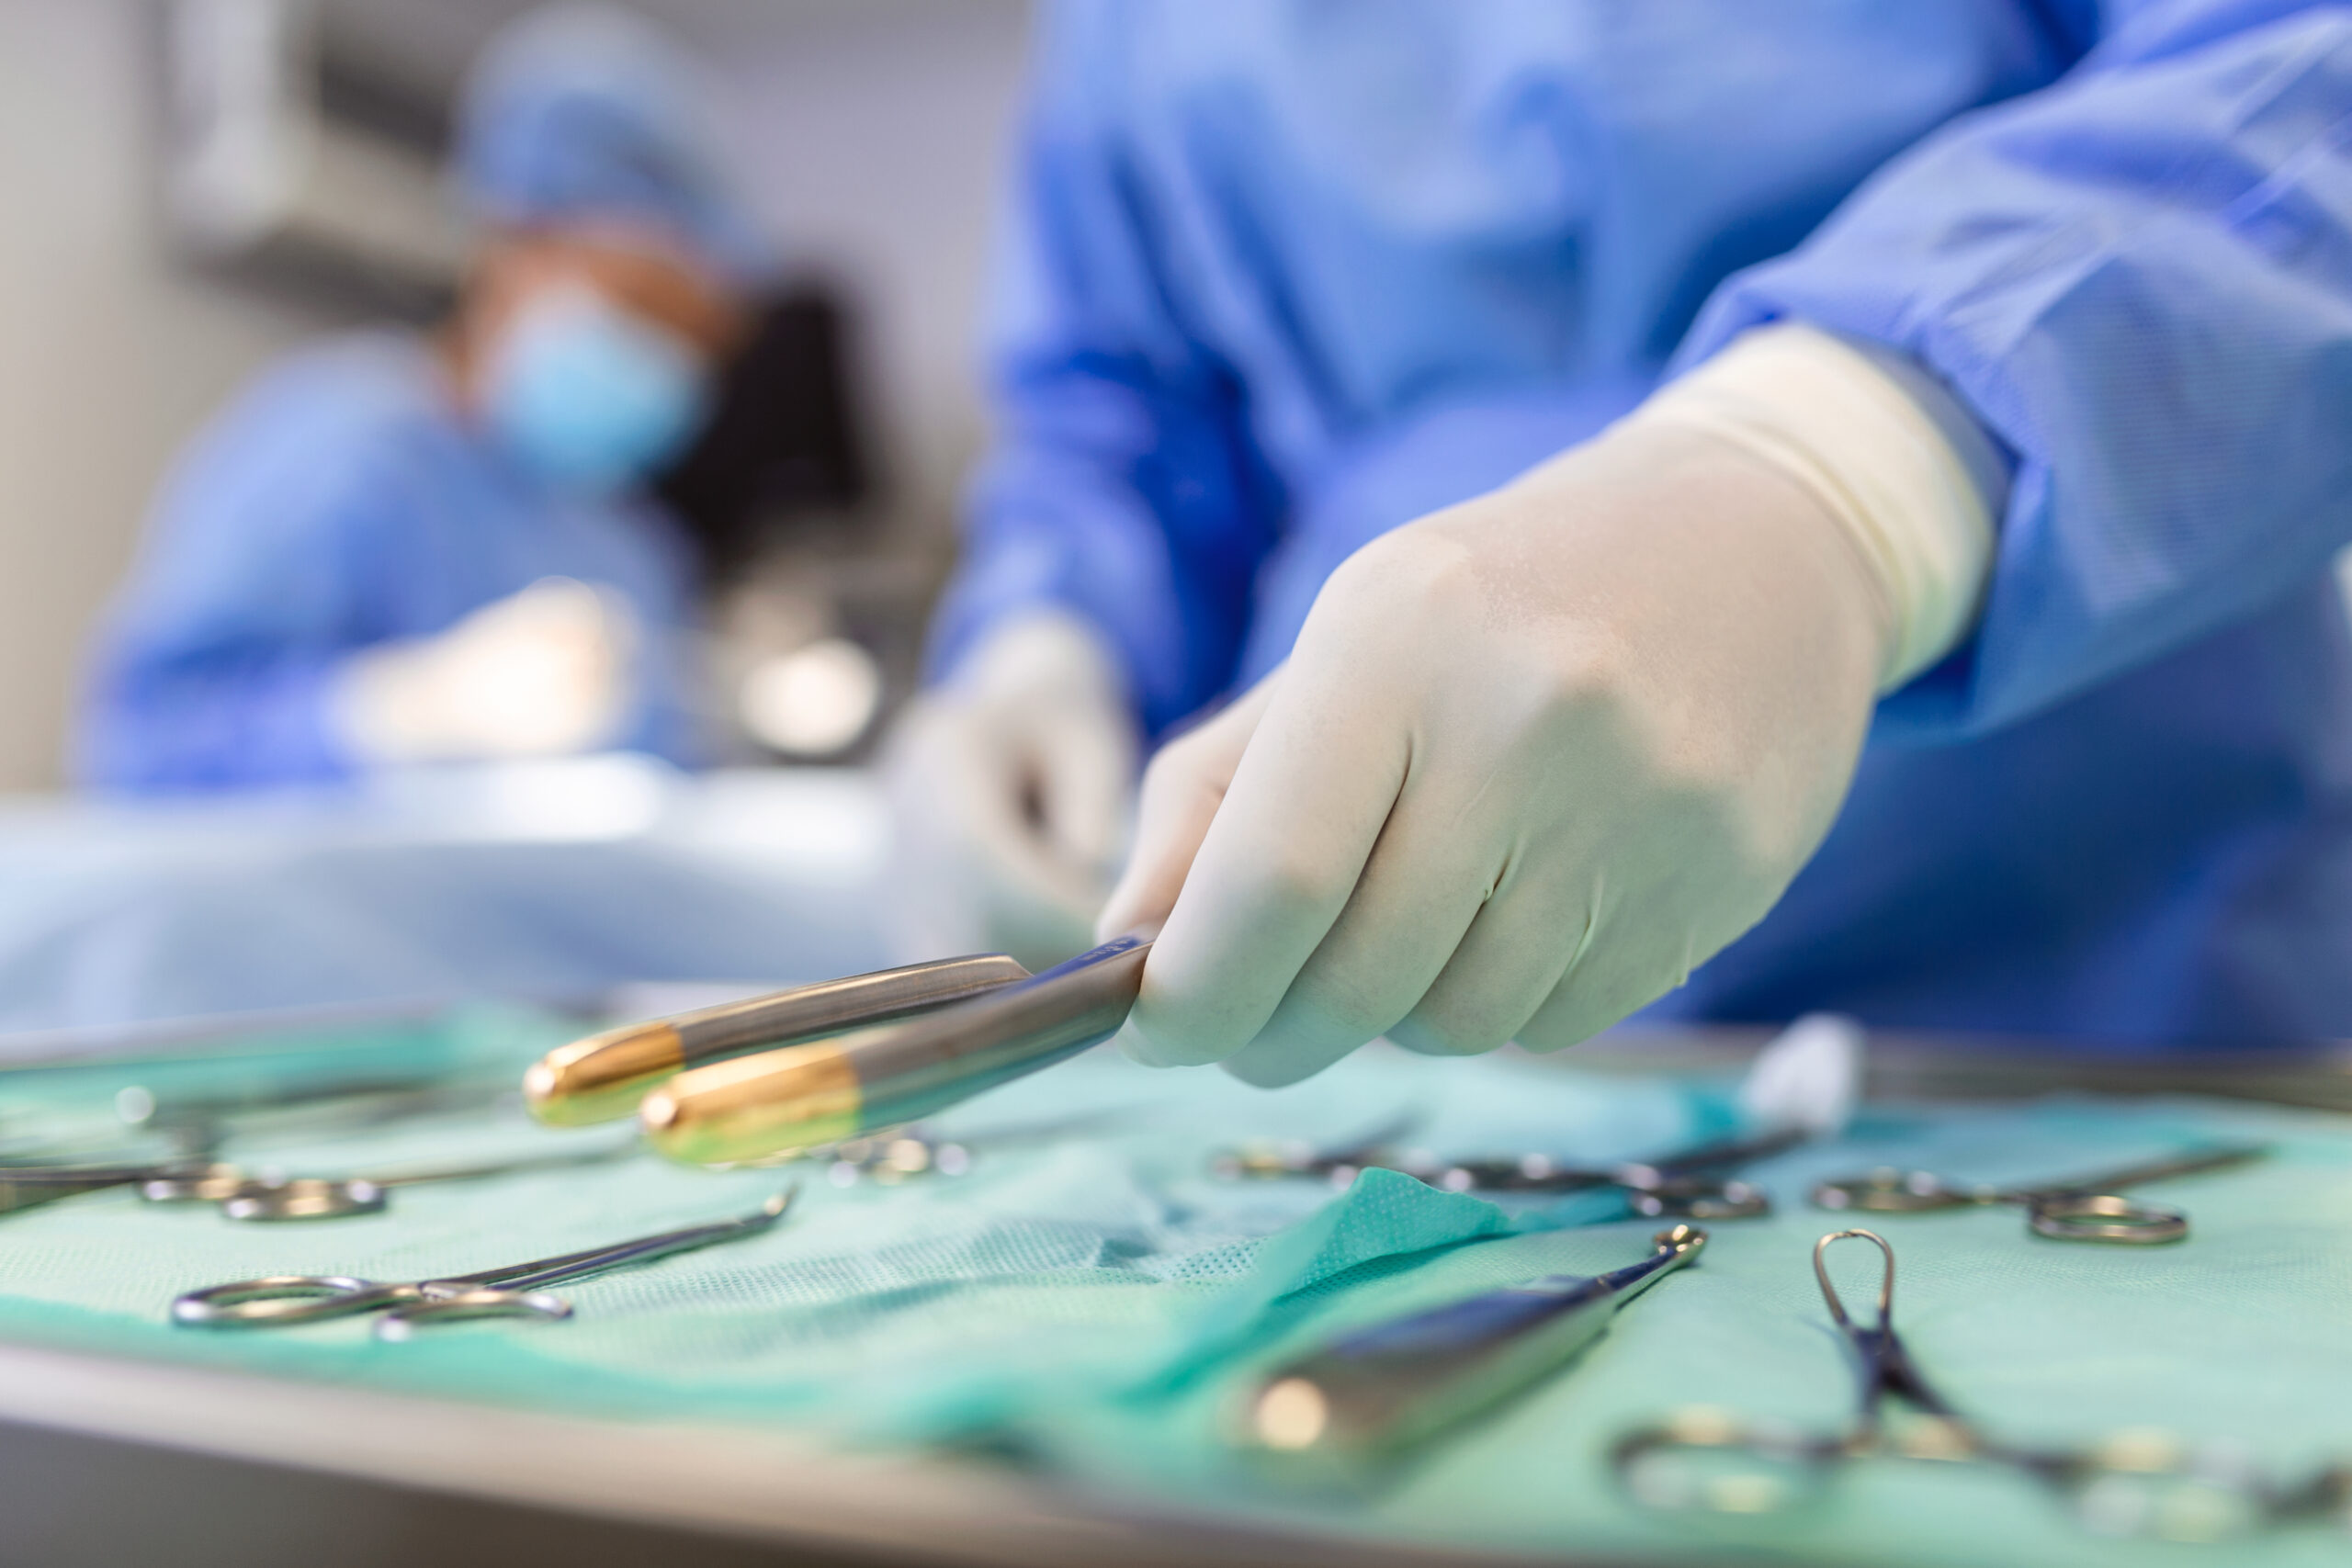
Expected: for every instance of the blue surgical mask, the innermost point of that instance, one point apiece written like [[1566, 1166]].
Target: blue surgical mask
[[589, 397]]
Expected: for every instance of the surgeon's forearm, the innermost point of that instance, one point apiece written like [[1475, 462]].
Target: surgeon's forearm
[[1900, 465]]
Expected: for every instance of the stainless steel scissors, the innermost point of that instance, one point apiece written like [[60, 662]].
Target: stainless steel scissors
[[246, 1195], [281, 1301], [1688, 1185], [2087, 1209], [2133, 1484]]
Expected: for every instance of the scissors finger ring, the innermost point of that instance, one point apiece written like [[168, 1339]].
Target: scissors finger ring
[[276, 1298], [2104, 1216], [441, 1304]]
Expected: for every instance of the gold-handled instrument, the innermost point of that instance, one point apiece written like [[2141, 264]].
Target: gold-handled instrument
[[826, 1090], [607, 1075]]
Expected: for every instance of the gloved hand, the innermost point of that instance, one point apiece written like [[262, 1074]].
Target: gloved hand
[[1536, 756], [541, 672], [1011, 784]]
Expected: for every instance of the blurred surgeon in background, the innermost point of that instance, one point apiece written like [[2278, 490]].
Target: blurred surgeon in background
[[1764, 504], [396, 550]]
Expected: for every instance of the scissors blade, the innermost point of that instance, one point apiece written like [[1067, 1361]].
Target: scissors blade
[[524, 1277], [2191, 1162], [30, 1190], [1726, 1152]]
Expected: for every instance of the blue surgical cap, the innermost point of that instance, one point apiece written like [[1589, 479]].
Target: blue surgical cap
[[585, 114]]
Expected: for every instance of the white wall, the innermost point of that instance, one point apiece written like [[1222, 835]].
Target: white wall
[[870, 134], [108, 355]]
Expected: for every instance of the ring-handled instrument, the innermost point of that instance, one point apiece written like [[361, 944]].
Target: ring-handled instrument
[[1691, 1184], [2135, 1483], [1371, 1396], [824, 1092], [283, 1300], [252, 1198], [2087, 1209], [242, 1194]]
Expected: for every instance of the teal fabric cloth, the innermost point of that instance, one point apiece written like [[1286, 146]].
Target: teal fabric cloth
[[1090, 1300]]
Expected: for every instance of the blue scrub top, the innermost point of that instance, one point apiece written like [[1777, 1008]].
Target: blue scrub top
[[342, 502], [1281, 275]]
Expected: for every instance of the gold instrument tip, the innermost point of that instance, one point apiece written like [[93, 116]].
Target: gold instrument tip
[[756, 1106], [603, 1077]]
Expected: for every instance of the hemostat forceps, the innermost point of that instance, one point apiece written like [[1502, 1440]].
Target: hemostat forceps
[[1690, 1184], [2084, 1209], [2133, 1484], [244, 1195], [279, 1301]]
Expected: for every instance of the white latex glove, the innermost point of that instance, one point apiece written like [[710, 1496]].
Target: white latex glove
[[1536, 756], [1012, 785], [539, 674]]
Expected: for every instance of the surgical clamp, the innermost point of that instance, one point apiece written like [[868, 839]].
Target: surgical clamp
[[2133, 1484], [279, 1301], [2084, 1210], [245, 1195], [1686, 1185]]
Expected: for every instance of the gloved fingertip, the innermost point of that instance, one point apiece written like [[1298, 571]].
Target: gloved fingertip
[[1115, 918], [1149, 1037], [1127, 910], [1136, 1047]]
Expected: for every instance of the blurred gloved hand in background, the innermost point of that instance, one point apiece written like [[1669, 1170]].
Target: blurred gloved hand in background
[[546, 671], [1535, 756], [1010, 783]]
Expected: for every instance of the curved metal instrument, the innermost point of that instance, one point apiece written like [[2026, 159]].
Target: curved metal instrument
[[2087, 1209]]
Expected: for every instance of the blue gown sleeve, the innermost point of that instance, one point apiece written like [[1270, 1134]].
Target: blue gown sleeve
[[1124, 485], [214, 668], [2140, 279]]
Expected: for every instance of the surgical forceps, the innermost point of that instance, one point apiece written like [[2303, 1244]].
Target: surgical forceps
[[2134, 1484], [2084, 1210], [279, 1301], [1690, 1184], [860, 1080], [244, 1195]]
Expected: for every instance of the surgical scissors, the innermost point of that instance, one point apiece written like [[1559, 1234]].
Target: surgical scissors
[[2084, 1210], [248, 1195], [278, 1301], [2133, 1484], [1686, 1185]]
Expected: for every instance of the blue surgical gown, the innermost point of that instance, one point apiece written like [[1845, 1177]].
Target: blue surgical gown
[[1281, 275], [341, 502]]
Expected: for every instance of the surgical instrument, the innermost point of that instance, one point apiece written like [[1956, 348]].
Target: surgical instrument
[[1686, 1185], [248, 1195], [2138, 1484], [1377, 1392], [2084, 1210], [196, 1126], [605, 1076], [829, 1090], [279, 1301]]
